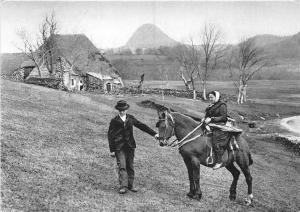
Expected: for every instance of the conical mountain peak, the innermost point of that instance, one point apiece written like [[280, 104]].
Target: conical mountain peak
[[149, 36]]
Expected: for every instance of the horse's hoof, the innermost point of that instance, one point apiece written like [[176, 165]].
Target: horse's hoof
[[232, 198], [197, 197], [248, 202], [190, 195]]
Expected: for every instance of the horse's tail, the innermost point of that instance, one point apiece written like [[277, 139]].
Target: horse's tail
[[250, 159]]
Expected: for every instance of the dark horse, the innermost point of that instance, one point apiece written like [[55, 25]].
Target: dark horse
[[195, 150]]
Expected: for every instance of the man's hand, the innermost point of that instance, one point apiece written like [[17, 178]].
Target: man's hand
[[112, 154], [156, 136], [207, 120]]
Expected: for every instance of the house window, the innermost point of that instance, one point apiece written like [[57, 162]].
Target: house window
[[73, 82]]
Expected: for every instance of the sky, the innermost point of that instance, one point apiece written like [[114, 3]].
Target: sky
[[110, 24]]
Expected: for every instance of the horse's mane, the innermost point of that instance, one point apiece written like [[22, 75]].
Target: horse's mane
[[192, 118], [188, 115], [159, 107]]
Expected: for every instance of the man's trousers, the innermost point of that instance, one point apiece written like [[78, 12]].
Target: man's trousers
[[125, 159]]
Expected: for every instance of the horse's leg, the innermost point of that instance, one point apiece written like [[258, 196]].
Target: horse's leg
[[235, 173], [244, 165], [248, 177], [189, 167], [196, 177]]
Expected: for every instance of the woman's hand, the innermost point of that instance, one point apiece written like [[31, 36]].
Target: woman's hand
[[207, 120]]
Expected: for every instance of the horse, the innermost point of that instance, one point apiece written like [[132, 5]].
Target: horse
[[194, 148]]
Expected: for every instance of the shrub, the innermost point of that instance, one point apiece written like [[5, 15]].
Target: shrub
[[46, 82]]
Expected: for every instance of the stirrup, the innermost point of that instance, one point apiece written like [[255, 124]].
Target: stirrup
[[209, 160]]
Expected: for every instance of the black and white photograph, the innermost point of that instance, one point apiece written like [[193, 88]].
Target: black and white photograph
[[150, 105]]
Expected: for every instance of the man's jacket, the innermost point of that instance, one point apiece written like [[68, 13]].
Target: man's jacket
[[121, 133]]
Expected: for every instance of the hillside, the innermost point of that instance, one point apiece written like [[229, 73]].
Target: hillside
[[149, 36], [10, 62], [288, 48], [263, 40], [54, 156], [281, 48]]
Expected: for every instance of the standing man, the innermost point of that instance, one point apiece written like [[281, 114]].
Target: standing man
[[121, 141]]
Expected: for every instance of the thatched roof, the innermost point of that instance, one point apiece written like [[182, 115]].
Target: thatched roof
[[27, 63], [81, 52], [35, 72]]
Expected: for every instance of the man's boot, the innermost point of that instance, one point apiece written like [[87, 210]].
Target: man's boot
[[122, 190], [130, 184], [219, 153]]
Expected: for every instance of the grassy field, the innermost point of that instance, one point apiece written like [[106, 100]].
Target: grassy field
[[55, 157], [158, 67]]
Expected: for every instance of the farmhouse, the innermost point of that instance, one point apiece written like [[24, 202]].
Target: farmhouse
[[79, 64]]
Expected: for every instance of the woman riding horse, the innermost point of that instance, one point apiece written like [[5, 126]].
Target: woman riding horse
[[217, 113], [194, 149]]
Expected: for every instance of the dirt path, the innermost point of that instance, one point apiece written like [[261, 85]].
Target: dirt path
[[54, 156]]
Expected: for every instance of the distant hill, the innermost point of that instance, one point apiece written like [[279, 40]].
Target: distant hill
[[264, 40], [149, 36], [288, 48], [280, 47], [11, 61]]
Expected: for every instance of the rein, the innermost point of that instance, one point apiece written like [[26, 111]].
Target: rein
[[182, 141]]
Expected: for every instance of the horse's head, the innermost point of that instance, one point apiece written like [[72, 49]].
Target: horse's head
[[165, 125]]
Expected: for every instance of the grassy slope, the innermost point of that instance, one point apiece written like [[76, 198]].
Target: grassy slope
[[54, 155]]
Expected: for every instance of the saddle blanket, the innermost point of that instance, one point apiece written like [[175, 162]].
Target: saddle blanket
[[226, 128]]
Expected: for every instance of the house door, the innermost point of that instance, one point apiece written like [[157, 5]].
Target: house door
[[80, 85], [108, 87]]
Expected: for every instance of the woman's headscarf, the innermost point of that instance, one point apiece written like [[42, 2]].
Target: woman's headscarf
[[216, 94]]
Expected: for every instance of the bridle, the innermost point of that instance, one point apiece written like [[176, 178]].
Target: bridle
[[183, 140], [167, 124]]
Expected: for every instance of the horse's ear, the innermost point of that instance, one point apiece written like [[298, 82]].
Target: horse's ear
[[162, 109]]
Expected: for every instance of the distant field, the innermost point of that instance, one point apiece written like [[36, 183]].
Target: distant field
[[273, 91], [153, 66]]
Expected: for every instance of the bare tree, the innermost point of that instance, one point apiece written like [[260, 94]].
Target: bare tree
[[186, 56], [30, 49], [47, 30], [213, 52], [40, 49], [245, 62]]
